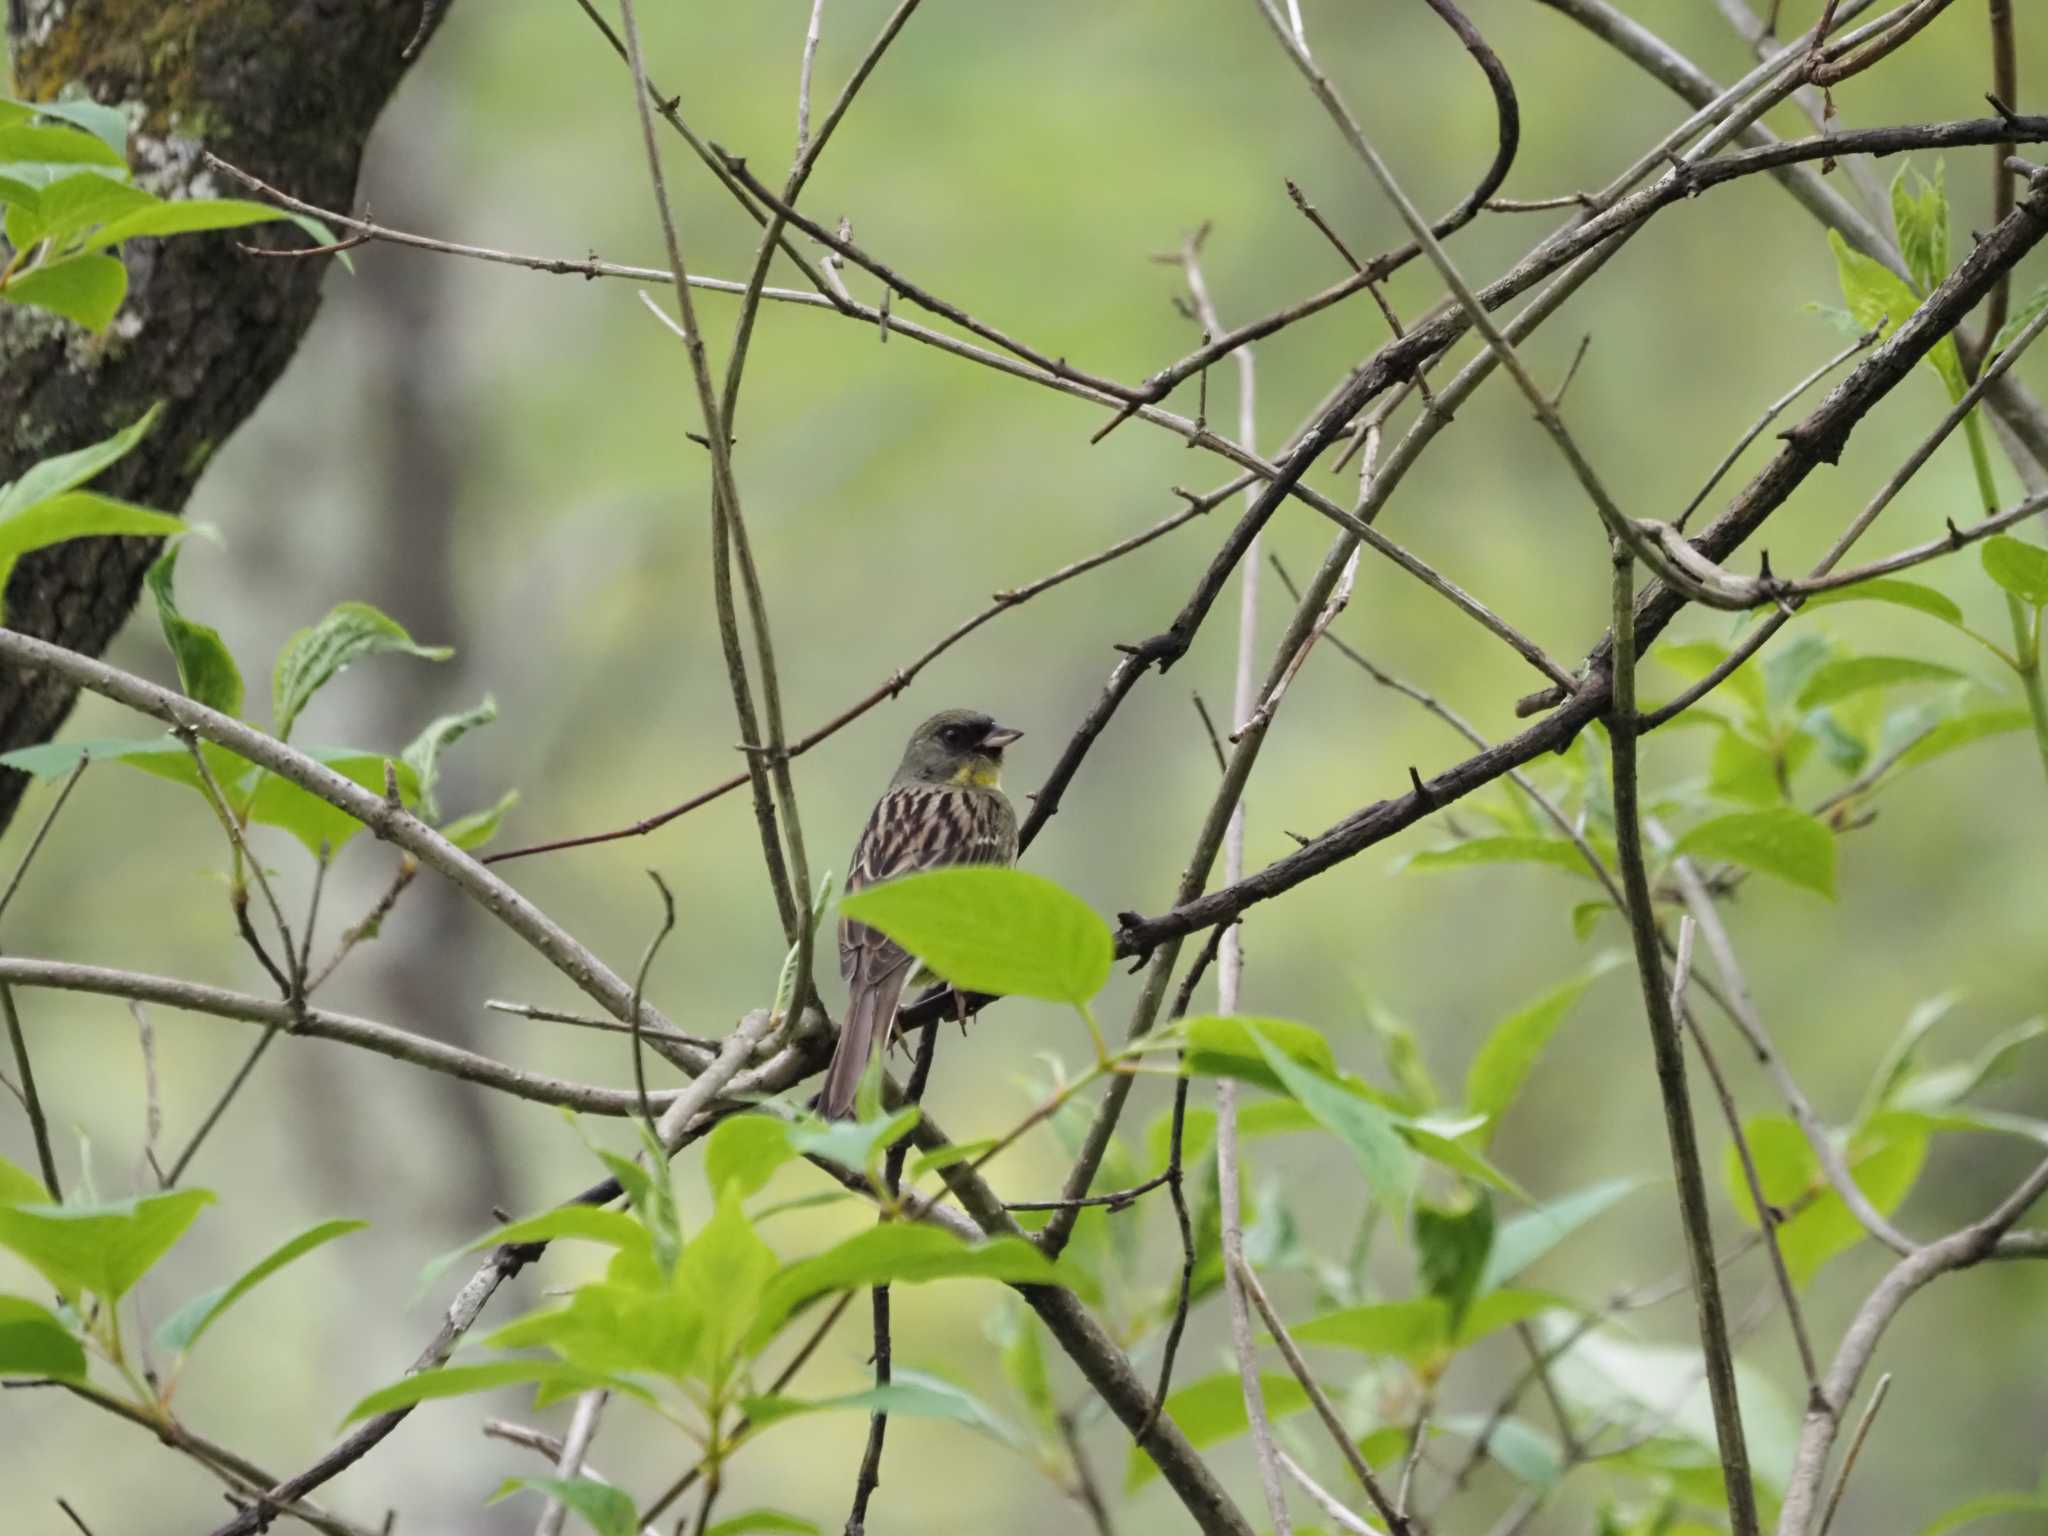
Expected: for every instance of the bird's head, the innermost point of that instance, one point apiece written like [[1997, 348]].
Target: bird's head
[[957, 746]]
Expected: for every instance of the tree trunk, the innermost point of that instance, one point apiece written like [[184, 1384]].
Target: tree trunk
[[285, 89]]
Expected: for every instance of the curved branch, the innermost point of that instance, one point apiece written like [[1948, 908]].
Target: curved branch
[[322, 1024]]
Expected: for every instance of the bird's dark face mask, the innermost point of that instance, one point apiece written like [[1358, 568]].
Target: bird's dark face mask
[[958, 746]]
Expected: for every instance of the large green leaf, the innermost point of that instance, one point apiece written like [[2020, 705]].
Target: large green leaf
[[723, 1276], [1879, 297], [68, 471], [35, 1342], [1368, 1130], [2019, 567], [1523, 1450], [1524, 1239], [1963, 730], [1411, 1330], [103, 1249], [1451, 1246], [1222, 1045], [902, 1253], [75, 515], [913, 1394], [49, 144], [461, 1380], [1005, 931], [1895, 591], [73, 204], [745, 1151], [86, 289], [206, 671], [107, 124], [314, 655], [184, 216], [1556, 851], [185, 1327], [1211, 1411], [1849, 675], [313, 821], [765, 1522], [1884, 1168], [1510, 1051], [471, 832], [606, 1510], [1783, 842]]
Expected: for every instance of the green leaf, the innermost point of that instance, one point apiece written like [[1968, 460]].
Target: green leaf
[[314, 655], [1848, 675], [107, 124], [86, 289], [606, 1510], [898, 1254], [1525, 1452], [1693, 660], [1900, 594], [1744, 772], [1983, 1508], [1784, 842], [206, 671], [1503, 1309], [854, 1144], [424, 754], [187, 215], [1961, 731], [70, 205], [1555, 851], [1884, 1168], [461, 1380], [68, 471], [745, 1151], [2019, 567], [1879, 297], [1897, 1062], [1503, 1062], [49, 144], [75, 515], [909, 1393], [1368, 1130], [1451, 1246], [1920, 215], [771, 1521], [471, 832], [103, 1249], [1014, 1328], [1211, 1411], [1004, 931], [1586, 916], [722, 1276], [1944, 1086], [1524, 1239], [313, 821], [1221, 1045], [35, 1342], [1413, 1330], [2023, 315], [185, 1327], [1405, 1064], [1442, 1141], [20, 1187]]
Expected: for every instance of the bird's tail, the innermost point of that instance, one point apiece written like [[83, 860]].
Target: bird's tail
[[869, 1014]]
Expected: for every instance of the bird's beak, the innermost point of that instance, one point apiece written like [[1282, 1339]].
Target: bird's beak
[[998, 737]]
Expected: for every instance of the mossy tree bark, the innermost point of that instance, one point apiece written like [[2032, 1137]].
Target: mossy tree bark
[[286, 89]]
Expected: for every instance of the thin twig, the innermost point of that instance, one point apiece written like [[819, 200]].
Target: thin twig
[[1670, 1062], [32, 1101], [1397, 1522], [1884, 1385], [35, 843]]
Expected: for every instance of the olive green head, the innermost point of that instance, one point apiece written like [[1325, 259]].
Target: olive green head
[[956, 746]]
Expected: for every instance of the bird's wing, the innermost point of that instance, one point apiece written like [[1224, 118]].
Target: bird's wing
[[917, 827]]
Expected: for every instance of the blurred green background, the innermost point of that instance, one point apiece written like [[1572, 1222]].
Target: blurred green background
[[497, 458]]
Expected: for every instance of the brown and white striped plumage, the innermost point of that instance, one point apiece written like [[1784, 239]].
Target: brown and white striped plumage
[[945, 806]]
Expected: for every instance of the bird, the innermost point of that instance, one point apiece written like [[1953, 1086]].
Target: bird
[[944, 806]]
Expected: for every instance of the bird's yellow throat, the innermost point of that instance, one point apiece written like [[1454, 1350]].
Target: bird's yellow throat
[[982, 773]]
